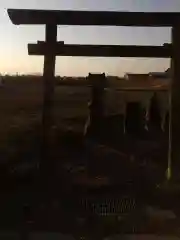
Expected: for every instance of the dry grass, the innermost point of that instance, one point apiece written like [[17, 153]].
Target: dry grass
[[21, 102], [21, 106]]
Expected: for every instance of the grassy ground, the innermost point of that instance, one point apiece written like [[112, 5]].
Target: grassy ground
[[20, 108], [21, 104]]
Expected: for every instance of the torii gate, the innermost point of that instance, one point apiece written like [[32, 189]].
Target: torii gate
[[51, 48]]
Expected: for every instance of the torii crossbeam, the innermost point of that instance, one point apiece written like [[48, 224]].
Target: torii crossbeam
[[51, 48]]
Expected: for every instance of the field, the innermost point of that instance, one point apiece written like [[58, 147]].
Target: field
[[21, 102]]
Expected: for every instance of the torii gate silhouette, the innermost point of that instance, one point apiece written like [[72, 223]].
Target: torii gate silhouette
[[51, 48]]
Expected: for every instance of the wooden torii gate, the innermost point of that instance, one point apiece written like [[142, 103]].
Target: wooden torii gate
[[51, 48]]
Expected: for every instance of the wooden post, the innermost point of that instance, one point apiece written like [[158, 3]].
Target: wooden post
[[96, 106], [175, 103], [49, 83]]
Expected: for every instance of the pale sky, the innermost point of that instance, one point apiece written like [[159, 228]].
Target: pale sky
[[14, 39]]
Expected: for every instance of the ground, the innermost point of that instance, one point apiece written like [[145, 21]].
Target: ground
[[21, 102]]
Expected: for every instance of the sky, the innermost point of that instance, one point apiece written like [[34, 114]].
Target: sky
[[14, 39]]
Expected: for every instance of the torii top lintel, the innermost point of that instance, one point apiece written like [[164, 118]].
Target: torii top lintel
[[101, 18]]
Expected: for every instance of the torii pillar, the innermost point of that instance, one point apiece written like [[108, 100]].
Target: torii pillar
[[48, 98], [175, 103]]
